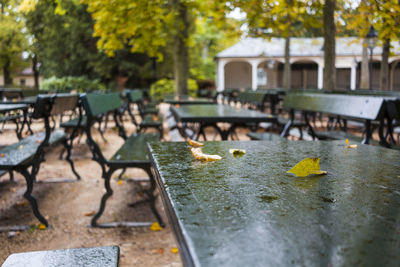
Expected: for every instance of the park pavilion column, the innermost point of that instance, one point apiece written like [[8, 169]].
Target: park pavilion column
[[254, 65], [320, 75], [221, 74], [353, 76]]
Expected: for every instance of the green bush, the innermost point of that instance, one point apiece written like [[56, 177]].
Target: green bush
[[80, 83], [167, 87]]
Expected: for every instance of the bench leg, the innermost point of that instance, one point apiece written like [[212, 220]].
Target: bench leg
[[107, 194], [29, 187], [68, 147]]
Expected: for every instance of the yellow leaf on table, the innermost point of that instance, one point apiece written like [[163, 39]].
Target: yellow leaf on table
[[2, 155], [41, 226], [120, 182], [20, 147], [198, 154], [174, 250], [195, 143], [155, 227], [90, 213], [306, 167], [350, 146], [237, 152]]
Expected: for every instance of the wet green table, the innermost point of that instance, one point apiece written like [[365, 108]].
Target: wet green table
[[210, 115], [247, 211], [7, 108], [186, 100]]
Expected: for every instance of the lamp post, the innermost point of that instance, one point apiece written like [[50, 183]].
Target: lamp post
[[371, 43]]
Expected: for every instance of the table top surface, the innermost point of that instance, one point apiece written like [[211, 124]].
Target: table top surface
[[186, 100], [11, 107], [219, 113], [247, 211], [85, 257]]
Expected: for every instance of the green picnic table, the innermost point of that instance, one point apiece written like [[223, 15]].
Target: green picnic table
[[211, 115], [248, 211], [186, 100]]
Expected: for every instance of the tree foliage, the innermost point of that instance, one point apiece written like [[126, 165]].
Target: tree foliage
[[12, 40]]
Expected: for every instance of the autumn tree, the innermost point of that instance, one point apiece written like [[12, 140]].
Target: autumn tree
[[385, 17], [12, 40]]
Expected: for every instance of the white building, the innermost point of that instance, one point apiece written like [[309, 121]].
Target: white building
[[258, 63]]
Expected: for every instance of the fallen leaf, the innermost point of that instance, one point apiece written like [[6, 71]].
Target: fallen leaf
[[120, 182], [174, 250], [237, 152], [13, 189], [20, 147], [160, 251], [38, 141], [22, 203], [41, 226], [306, 167], [140, 194], [155, 227], [195, 143], [350, 146], [90, 213], [198, 154], [2, 155]]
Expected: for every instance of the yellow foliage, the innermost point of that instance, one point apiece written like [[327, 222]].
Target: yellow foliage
[[306, 167], [155, 227], [350, 146], [174, 250]]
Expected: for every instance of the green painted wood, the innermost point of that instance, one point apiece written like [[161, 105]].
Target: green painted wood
[[361, 107], [256, 97], [12, 107], [135, 148], [73, 257], [96, 104], [73, 123], [247, 211], [63, 103], [186, 100], [264, 136], [135, 95], [23, 151], [219, 113], [152, 120]]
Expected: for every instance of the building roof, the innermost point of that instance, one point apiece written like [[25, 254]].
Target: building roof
[[275, 47]]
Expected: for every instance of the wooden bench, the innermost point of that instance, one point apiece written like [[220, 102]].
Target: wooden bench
[[30, 152], [345, 107], [73, 257], [132, 154]]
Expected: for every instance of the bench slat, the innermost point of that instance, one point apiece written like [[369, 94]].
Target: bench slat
[[135, 148], [25, 149]]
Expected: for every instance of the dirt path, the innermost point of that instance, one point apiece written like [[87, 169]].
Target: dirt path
[[65, 206]]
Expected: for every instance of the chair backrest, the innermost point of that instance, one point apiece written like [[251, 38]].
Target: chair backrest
[[64, 102], [10, 93], [135, 95], [97, 104], [360, 107], [42, 107]]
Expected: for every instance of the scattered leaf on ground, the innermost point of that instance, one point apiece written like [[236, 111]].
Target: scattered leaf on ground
[[41, 226], [160, 251], [140, 194], [13, 189], [237, 152], [2, 155], [350, 146], [22, 203], [155, 227], [194, 143], [120, 182], [306, 167], [90, 213], [174, 250], [198, 154], [20, 147]]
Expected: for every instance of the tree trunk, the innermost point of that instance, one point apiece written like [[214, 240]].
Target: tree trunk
[[384, 84], [364, 79], [329, 45], [7, 73], [35, 72], [287, 75], [181, 50]]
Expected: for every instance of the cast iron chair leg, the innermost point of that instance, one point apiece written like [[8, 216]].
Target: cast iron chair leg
[[107, 194], [30, 198], [68, 158]]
